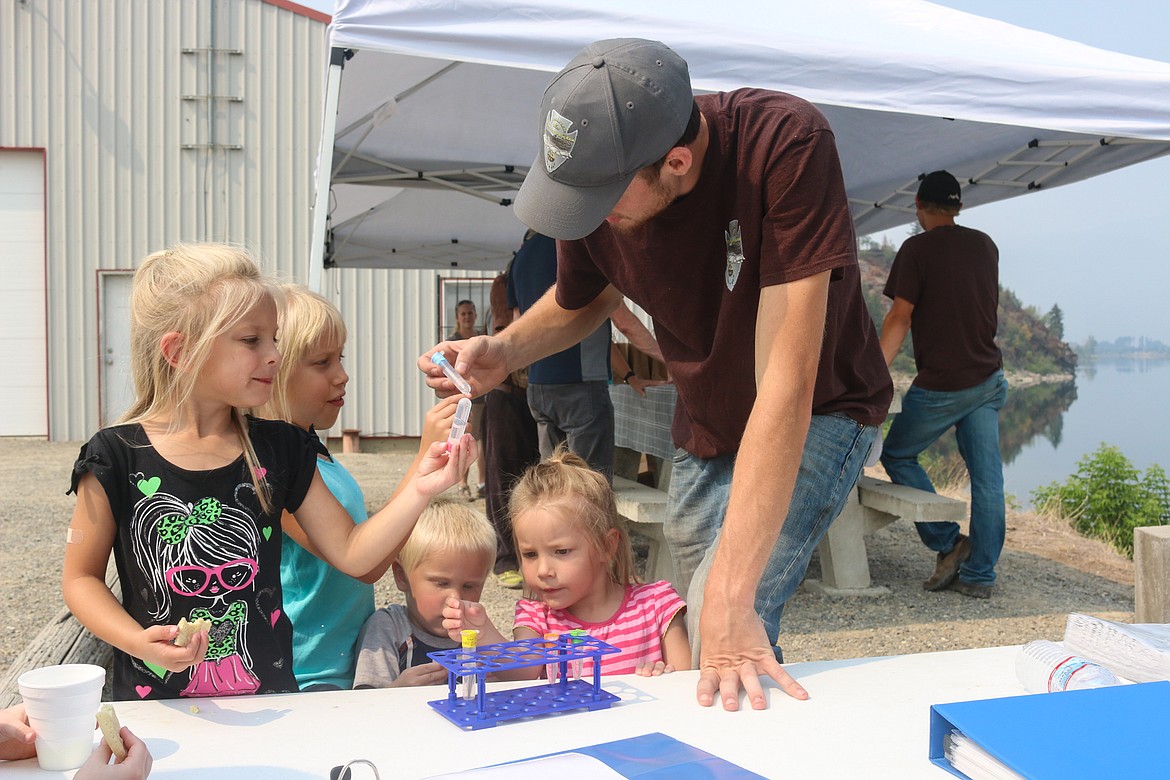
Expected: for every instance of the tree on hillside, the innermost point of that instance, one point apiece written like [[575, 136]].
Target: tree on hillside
[[1054, 319], [1026, 338]]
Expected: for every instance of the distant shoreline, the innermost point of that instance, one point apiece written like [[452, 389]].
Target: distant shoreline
[[1127, 357], [1015, 379], [1028, 379]]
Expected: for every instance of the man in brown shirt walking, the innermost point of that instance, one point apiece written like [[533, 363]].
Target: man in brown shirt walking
[[945, 289]]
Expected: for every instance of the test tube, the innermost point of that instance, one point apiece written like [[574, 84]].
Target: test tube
[[550, 669], [574, 640], [440, 360], [459, 424], [470, 637]]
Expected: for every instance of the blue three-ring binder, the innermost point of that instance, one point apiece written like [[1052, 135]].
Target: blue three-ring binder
[[1121, 731]]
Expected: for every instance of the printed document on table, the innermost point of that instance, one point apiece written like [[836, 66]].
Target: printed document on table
[[646, 755], [562, 765]]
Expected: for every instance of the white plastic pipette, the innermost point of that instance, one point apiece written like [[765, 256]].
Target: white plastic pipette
[[440, 360], [459, 424]]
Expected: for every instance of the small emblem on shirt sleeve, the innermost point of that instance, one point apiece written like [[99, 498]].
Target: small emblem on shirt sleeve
[[734, 253]]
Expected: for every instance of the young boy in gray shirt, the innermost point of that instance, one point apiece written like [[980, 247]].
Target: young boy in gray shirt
[[449, 553]]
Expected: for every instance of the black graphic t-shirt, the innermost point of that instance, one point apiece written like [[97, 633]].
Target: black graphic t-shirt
[[197, 544]]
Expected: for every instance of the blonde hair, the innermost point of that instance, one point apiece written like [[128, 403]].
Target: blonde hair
[[199, 291], [940, 208], [306, 321], [450, 526], [566, 482]]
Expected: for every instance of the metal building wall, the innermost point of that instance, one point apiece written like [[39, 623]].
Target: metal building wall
[[393, 317], [116, 93]]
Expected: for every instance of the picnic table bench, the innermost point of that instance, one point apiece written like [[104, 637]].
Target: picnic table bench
[[644, 510], [642, 424], [844, 561], [63, 640], [876, 503]]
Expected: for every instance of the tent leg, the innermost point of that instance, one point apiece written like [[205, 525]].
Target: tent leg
[[325, 170]]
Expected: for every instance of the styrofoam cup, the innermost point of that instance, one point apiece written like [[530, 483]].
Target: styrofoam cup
[[62, 702]]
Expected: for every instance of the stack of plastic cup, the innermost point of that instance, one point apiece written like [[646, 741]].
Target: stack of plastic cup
[[62, 702]]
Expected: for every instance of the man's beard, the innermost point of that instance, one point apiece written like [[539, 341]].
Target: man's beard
[[661, 199]]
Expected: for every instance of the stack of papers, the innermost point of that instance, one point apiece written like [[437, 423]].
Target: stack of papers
[[1138, 652], [971, 760]]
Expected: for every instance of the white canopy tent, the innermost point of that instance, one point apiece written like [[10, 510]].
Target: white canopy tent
[[433, 123]]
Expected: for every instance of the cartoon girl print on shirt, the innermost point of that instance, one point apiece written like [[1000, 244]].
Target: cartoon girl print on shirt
[[208, 551]]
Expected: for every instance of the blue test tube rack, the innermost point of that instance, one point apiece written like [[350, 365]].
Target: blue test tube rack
[[488, 709]]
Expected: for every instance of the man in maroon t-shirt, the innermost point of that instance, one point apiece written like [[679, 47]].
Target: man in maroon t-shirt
[[945, 289], [725, 218]]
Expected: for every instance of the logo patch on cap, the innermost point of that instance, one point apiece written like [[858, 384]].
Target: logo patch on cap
[[735, 256], [558, 141]]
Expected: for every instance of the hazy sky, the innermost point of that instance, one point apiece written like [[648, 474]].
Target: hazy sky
[[1098, 248]]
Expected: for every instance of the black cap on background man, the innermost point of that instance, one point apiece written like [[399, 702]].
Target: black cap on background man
[[941, 188]]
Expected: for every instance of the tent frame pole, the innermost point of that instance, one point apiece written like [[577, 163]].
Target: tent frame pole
[[325, 170]]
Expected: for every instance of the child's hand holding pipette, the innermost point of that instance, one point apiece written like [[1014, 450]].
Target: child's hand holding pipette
[[437, 421], [459, 615], [440, 469], [436, 427]]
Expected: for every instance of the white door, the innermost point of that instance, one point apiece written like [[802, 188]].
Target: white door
[[24, 383], [117, 386]]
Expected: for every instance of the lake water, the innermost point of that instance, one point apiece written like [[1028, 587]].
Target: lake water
[[1119, 403], [1046, 429]]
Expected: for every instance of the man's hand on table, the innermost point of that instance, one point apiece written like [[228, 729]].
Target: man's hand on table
[[639, 385], [734, 652]]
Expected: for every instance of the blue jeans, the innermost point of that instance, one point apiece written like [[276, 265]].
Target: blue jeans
[[974, 412], [834, 452], [579, 415]]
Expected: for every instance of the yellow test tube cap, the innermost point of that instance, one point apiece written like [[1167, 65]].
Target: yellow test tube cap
[[469, 636]]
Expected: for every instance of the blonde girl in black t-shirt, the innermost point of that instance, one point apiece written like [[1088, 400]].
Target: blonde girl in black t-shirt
[[187, 491]]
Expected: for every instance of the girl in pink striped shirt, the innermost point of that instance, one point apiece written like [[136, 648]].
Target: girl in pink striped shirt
[[576, 560]]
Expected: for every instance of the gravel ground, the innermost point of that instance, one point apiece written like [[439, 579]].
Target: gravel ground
[[1046, 572]]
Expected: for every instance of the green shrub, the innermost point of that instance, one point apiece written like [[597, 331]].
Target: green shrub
[[1108, 497]]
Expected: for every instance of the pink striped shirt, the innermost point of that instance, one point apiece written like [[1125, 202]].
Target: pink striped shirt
[[636, 628]]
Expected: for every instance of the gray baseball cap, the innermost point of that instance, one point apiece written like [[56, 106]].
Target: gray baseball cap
[[619, 106]]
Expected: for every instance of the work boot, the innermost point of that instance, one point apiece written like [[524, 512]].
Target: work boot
[[947, 568], [972, 589]]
